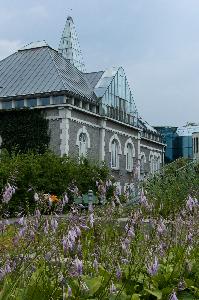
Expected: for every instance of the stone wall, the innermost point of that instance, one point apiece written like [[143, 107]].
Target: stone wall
[[65, 123]]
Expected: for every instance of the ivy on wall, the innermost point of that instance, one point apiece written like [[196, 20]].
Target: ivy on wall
[[22, 130]]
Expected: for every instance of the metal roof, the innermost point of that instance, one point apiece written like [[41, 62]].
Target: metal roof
[[94, 77], [41, 70]]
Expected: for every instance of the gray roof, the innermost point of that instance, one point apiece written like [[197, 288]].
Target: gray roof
[[41, 70], [94, 77]]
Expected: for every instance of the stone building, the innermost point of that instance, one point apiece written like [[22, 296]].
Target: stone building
[[90, 114]]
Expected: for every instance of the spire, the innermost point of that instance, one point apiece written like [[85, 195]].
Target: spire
[[69, 45]]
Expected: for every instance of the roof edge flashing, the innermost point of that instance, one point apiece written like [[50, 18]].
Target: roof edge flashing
[[35, 45]]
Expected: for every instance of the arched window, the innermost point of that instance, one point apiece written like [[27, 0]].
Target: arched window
[[115, 150], [142, 163], [129, 152], [83, 144], [129, 157], [83, 141], [142, 167], [115, 154], [151, 164]]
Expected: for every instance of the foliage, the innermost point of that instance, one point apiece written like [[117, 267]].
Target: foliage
[[24, 130], [169, 189], [46, 173], [98, 253], [95, 254]]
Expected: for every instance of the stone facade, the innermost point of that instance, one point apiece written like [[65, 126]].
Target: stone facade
[[67, 122]]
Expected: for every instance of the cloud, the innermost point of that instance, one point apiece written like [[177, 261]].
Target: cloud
[[7, 47]]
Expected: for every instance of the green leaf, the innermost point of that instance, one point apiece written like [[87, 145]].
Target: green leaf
[[156, 293], [135, 297], [93, 284]]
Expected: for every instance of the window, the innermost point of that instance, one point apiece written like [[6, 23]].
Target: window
[[114, 154], [31, 102], [19, 103], [58, 100], [151, 164], [83, 144], [7, 105], [83, 141], [142, 167], [129, 157], [44, 101]]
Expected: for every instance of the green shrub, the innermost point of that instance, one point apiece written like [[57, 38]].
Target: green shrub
[[46, 173]]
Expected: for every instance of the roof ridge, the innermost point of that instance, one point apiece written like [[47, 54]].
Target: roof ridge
[[58, 72], [93, 72]]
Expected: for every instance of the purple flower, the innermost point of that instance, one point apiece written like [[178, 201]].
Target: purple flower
[[2, 274], [189, 237], [131, 232], [69, 292], [37, 213], [161, 228], [118, 273], [90, 207], [54, 224], [95, 265], [173, 296], [46, 227], [143, 200], [113, 289], [22, 231], [91, 219], [65, 199], [8, 193], [191, 203], [22, 221], [78, 231], [78, 266], [152, 270]]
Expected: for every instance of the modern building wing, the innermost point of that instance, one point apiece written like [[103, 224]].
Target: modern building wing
[[179, 141]]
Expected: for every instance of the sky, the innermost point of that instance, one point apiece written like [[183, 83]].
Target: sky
[[155, 41]]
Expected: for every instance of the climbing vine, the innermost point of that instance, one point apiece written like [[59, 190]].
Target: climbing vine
[[24, 130]]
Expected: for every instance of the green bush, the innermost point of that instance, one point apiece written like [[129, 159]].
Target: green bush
[[46, 173]]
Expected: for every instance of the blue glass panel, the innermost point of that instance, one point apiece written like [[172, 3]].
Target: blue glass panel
[[19, 103], [44, 101], [58, 100], [31, 102], [7, 105]]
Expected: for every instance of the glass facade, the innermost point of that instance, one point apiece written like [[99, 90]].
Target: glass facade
[[116, 97], [170, 139], [7, 105], [178, 141], [19, 103], [31, 102]]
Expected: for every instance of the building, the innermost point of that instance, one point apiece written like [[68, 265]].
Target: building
[[90, 114], [195, 141], [178, 140]]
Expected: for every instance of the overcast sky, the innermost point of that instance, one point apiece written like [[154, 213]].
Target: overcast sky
[[156, 42]]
